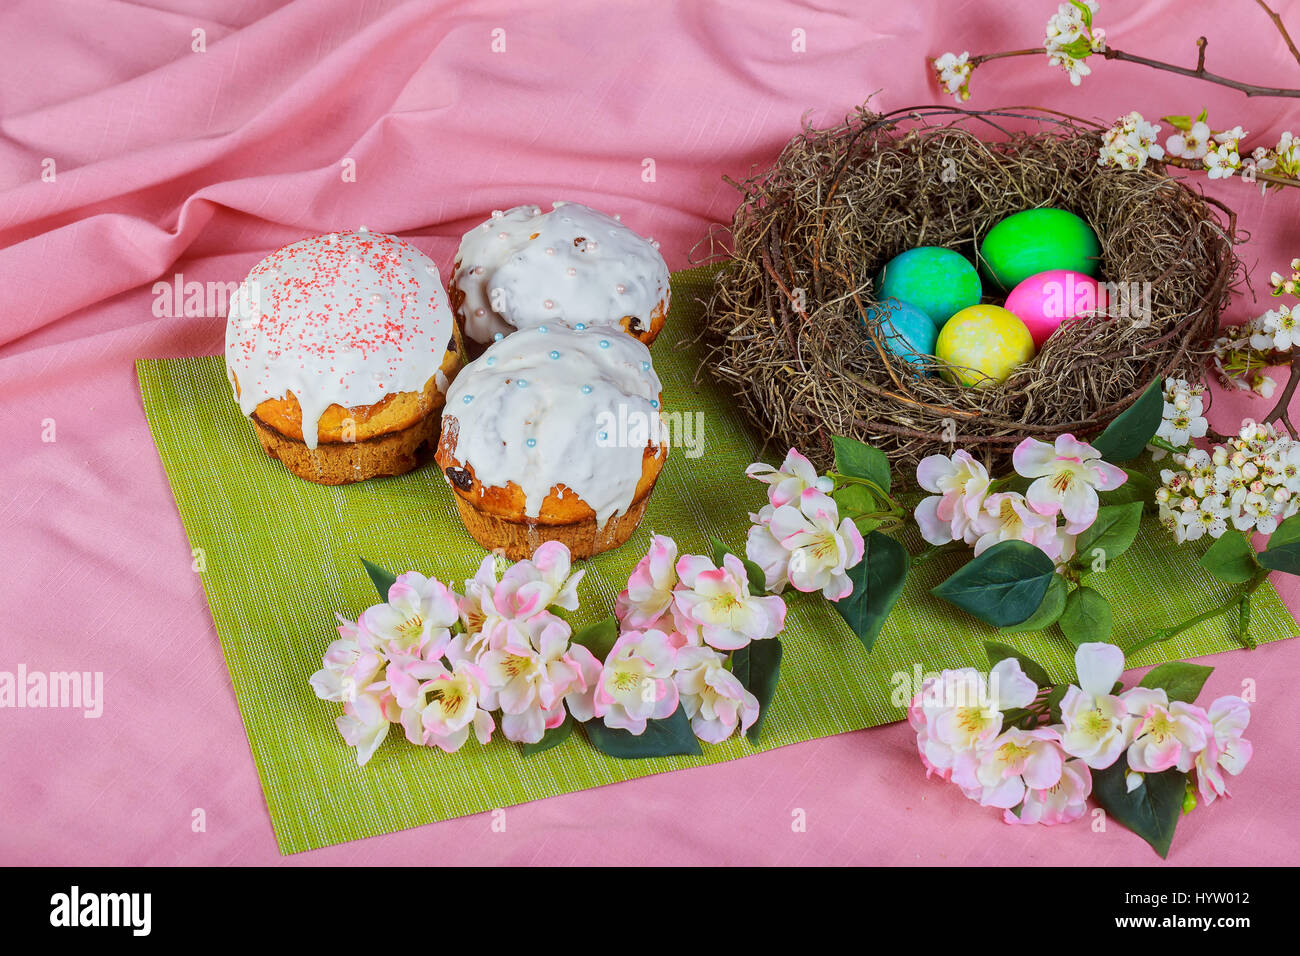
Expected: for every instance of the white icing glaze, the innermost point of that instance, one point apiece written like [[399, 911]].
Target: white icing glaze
[[583, 266], [579, 385], [345, 319]]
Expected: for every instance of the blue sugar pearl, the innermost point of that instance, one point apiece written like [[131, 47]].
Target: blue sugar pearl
[[492, 360], [523, 383], [555, 354], [468, 399], [498, 337], [645, 366], [581, 326], [604, 343], [586, 390], [604, 436], [542, 328], [654, 403], [531, 443]]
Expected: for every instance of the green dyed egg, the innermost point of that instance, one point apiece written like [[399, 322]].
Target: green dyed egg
[[1038, 240], [937, 281]]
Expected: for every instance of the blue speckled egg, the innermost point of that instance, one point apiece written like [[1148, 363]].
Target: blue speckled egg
[[937, 281], [907, 331]]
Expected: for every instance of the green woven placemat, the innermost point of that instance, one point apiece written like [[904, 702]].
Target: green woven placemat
[[280, 556]]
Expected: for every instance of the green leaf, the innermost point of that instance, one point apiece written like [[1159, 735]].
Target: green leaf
[[1180, 680], [552, 738], [1151, 811], [860, 460], [1139, 487], [1087, 617], [598, 638], [382, 580], [1126, 436], [662, 738], [1033, 670], [1049, 611], [1112, 532], [1283, 550], [877, 582], [1085, 12], [757, 580], [1183, 123], [855, 499], [1231, 558], [1003, 586], [757, 666]]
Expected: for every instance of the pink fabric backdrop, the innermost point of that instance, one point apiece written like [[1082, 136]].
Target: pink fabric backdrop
[[170, 160]]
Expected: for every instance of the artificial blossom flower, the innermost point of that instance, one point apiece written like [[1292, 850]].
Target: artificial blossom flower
[[635, 685], [1063, 802], [958, 485], [795, 476], [714, 699], [1226, 751], [416, 618], [350, 664], [1068, 474], [1092, 717], [715, 606], [1016, 762], [808, 547], [647, 601], [1163, 734], [1007, 516], [959, 711], [365, 722]]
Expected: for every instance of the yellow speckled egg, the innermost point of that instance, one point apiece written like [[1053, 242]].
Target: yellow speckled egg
[[983, 344]]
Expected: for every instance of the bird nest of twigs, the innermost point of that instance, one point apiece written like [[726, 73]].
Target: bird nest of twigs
[[785, 322]]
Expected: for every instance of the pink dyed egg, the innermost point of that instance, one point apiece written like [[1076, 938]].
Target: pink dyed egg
[[1045, 300]]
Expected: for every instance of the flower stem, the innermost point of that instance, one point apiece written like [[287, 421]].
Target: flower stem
[[930, 554], [1240, 600]]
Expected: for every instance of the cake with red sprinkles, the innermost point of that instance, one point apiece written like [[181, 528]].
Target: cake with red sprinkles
[[340, 350]]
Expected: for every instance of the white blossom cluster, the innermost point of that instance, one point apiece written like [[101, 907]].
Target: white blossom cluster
[[1184, 414], [1250, 483], [1070, 38], [1130, 142]]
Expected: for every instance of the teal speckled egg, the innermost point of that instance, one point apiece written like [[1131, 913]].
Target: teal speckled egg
[[1038, 240], [908, 332], [937, 281]]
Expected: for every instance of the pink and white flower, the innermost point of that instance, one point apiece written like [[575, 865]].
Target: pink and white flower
[[1226, 750], [350, 664], [959, 485], [636, 685], [528, 680], [439, 706], [647, 601], [1006, 516], [1069, 474], [960, 711], [365, 722], [416, 620], [808, 547], [1093, 719], [795, 476], [1015, 762], [714, 699], [1063, 802], [1164, 734], [715, 607]]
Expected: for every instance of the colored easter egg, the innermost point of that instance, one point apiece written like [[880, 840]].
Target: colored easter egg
[[1038, 240], [937, 281], [908, 332], [983, 344], [1045, 300]]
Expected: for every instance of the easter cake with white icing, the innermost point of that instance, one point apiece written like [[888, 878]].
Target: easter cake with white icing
[[554, 433], [524, 268], [340, 350]]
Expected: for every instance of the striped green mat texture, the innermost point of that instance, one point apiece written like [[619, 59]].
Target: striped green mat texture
[[281, 555]]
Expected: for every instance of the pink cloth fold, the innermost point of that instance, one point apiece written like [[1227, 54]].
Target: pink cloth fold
[[176, 152]]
